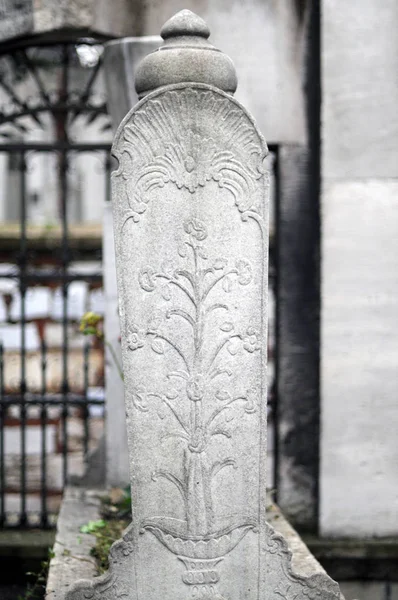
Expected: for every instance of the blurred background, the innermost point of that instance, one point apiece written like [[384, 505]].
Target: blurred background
[[321, 79]]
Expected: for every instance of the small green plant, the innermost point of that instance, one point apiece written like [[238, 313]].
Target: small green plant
[[91, 323], [93, 526], [116, 510]]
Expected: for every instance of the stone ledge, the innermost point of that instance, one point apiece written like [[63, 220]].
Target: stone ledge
[[73, 561], [72, 558]]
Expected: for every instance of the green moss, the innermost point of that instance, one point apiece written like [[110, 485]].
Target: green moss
[[109, 533]]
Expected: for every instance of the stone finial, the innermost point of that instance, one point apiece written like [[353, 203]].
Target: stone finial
[[186, 56]]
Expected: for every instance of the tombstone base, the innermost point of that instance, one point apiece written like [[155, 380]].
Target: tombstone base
[[202, 578]]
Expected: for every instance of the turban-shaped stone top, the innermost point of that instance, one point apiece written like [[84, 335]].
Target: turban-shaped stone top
[[186, 56]]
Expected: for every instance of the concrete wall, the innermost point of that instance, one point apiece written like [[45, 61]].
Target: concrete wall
[[359, 332], [264, 38]]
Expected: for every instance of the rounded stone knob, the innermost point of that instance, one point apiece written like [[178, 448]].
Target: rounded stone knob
[[185, 57]]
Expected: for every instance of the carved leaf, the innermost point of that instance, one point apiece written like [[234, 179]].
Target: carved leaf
[[244, 270], [182, 250], [227, 326], [139, 399], [166, 292], [223, 395], [161, 411], [202, 253], [227, 284], [233, 347], [158, 346], [146, 279]]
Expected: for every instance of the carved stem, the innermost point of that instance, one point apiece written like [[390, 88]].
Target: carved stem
[[176, 348], [218, 411], [221, 346]]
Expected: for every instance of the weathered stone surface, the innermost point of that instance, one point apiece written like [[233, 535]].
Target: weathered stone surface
[[72, 550], [359, 367], [190, 201]]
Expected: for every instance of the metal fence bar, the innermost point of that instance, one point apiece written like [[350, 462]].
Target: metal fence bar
[[2, 447], [43, 423], [22, 289], [108, 167], [86, 426], [50, 400], [10, 147], [63, 181]]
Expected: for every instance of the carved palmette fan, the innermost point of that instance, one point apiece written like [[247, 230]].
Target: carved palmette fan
[[189, 137]]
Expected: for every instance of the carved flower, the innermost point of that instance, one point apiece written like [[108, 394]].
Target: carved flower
[[196, 229], [146, 279], [275, 545], [127, 548], [251, 341], [220, 263], [135, 338], [244, 271], [192, 161], [196, 388], [322, 590]]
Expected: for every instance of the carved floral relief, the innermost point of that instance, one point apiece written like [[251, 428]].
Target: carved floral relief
[[198, 541], [189, 137]]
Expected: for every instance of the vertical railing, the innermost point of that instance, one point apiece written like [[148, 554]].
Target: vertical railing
[[63, 183], [2, 445], [85, 409], [45, 407], [43, 422], [22, 290]]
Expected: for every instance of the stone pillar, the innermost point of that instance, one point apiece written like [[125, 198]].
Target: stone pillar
[[121, 58], [359, 328], [191, 229]]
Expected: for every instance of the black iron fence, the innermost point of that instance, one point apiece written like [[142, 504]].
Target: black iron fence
[[55, 173], [46, 387], [41, 409]]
